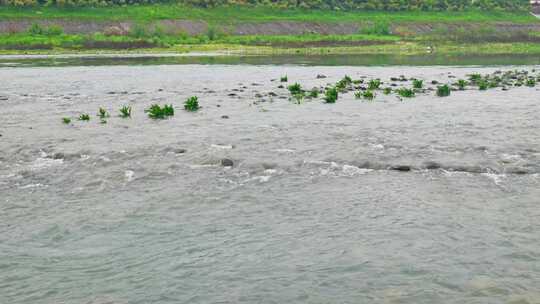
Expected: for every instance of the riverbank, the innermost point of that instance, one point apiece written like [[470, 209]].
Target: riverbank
[[241, 30]]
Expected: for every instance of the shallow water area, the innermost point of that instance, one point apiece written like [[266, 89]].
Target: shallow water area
[[421, 200]]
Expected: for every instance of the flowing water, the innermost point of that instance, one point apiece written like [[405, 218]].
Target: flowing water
[[422, 200]]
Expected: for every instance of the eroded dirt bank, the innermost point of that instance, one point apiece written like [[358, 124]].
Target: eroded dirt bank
[[197, 27]]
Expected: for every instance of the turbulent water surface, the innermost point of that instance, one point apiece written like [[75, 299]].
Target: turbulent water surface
[[423, 200]]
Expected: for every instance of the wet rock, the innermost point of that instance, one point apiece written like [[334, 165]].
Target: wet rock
[[269, 166], [258, 95], [434, 82], [58, 155], [431, 165], [225, 116], [179, 151], [320, 76], [518, 171], [280, 86], [231, 94], [272, 94], [3, 98], [226, 162], [402, 168]]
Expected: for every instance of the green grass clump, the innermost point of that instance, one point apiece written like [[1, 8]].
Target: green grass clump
[[368, 95], [443, 91], [387, 91], [295, 89], [531, 82], [125, 112], [102, 113], [344, 82], [483, 85], [192, 104], [158, 112], [475, 78], [284, 78], [331, 95], [374, 84], [66, 120], [314, 93], [376, 28], [84, 117], [404, 92], [417, 83], [461, 84]]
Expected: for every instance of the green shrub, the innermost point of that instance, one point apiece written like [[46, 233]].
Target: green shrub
[[475, 78], [461, 84], [314, 93], [211, 33], [404, 92], [417, 83], [443, 91], [374, 84], [369, 95], [482, 85], [157, 112], [102, 113], [54, 30], [192, 104], [66, 120], [331, 95], [36, 29], [295, 89], [344, 82], [125, 112], [284, 78], [531, 82], [387, 91], [376, 28], [138, 31], [84, 117]]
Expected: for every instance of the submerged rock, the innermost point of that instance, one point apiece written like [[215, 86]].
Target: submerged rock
[[58, 155], [225, 116], [320, 76], [431, 165], [226, 162], [403, 168]]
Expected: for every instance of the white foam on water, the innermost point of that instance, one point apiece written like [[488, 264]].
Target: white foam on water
[[129, 175], [43, 163], [495, 177], [353, 170], [29, 186], [222, 147], [285, 150]]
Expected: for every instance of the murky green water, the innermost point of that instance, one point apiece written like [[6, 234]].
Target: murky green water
[[323, 60]]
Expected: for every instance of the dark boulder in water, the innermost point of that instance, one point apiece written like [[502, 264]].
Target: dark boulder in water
[[227, 162], [403, 168], [431, 165], [58, 155], [225, 116], [320, 76]]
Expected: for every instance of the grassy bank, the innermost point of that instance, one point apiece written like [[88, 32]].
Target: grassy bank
[[253, 14], [384, 32]]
